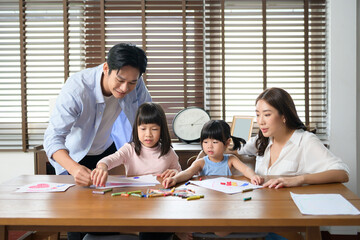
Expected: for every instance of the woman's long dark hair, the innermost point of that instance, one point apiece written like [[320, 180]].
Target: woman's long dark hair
[[219, 130], [280, 100], [152, 113]]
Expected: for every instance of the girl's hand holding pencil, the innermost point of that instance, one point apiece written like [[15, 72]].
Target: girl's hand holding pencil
[[99, 175], [169, 182]]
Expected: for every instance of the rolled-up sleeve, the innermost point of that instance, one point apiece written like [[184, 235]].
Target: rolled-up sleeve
[[317, 158], [63, 117]]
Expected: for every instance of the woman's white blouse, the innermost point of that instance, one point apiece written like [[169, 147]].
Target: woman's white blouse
[[304, 153]]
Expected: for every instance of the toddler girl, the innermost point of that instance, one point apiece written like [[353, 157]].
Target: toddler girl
[[215, 139]]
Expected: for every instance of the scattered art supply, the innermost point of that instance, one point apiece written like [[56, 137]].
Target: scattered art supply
[[42, 187], [226, 185], [102, 191], [247, 198], [195, 197], [151, 193], [248, 190]]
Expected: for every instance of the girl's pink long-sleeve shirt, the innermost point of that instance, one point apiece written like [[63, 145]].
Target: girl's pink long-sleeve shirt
[[148, 162]]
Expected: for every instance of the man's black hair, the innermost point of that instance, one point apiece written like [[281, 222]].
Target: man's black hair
[[124, 54]]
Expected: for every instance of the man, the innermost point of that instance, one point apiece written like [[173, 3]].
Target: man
[[79, 131]]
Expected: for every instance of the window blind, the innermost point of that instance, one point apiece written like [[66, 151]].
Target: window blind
[[42, 41], [171, 34], [10, 85], [254, 45], [215, 54]]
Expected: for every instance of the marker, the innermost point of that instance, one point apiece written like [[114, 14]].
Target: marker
[[247, 198], [102, 191], [195, 197]]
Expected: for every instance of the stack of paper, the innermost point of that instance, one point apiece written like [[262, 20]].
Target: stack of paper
[[323, 204], [122, 181]]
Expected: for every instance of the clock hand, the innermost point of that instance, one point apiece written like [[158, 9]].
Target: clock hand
[[197, 120]]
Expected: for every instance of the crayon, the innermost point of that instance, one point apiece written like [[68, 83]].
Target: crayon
[[156, 195], [247, 198], [195, 197], [187, 183], [137, 191], [136, 195], [247, 190], [117, 194]]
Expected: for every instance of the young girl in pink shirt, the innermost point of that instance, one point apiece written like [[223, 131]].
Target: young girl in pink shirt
[[149, 152]]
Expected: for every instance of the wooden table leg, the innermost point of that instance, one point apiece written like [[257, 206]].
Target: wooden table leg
[[3, 233], [313, 233]]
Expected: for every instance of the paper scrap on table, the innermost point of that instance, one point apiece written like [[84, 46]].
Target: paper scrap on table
[[45, 187], [226, 185], [137, 181], [323, 204]]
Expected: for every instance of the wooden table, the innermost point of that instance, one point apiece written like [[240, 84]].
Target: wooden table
[[78, 209]]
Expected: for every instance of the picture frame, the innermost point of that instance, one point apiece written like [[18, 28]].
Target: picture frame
[[242, 126]]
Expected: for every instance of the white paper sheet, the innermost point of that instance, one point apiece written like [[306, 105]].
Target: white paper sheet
[[226, 185], [45, 187], [323, 204], [137, 181]]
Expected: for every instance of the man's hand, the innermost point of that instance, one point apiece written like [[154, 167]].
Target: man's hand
[[81, 175]]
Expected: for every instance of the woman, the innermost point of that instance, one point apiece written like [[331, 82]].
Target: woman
[[284, 147]]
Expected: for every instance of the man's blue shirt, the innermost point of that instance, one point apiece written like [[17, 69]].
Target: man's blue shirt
[[78, 111]]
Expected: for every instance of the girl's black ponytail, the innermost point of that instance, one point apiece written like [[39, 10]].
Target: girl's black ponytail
[[238, 142]]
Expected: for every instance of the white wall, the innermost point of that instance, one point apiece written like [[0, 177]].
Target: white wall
[[344, 91], [343, 85], [15, 164], [358, 94]]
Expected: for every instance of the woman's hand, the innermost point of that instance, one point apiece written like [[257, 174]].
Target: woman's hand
[[284, 182], [169, 173], [257, 180], [99, 175], [169, 182]]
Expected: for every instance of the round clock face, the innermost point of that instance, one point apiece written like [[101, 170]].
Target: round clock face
[[188, 123]]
